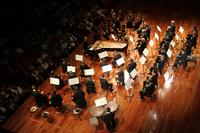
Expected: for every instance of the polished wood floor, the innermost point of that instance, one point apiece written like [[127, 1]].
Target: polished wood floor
[[175, 109]]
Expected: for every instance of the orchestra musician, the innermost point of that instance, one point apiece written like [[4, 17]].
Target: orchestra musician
[[40, 98], [90, 86], [117, 55], [83, 66], [105, 85], [79, 98], [132, 65], [120, 77], [56, 101], [109, 119]]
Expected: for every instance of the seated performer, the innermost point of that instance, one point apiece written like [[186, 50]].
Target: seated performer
[[105, 85], [120, 77], [90, 86], [41, 100], [148, 88], [86, 46], [132, 65], [117, 55], [83, 66], [79, 99], [109, 119], [56, 101]]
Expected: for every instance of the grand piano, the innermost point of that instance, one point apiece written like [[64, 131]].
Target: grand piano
[[107, 45]]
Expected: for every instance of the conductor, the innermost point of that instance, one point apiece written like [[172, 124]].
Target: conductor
[[109, 119]]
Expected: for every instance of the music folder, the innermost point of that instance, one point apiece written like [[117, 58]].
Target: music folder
[[88, 72], [54, 81], [71, 68], [142, 60], [133, 73], [107, 68], [100, 102], [120, 61], [103, 54], [78, 57], [73, 81]]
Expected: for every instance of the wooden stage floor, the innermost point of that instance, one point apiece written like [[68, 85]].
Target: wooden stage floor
[[174, 110]]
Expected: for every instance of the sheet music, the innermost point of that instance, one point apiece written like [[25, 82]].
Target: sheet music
[[158, 28], [71, 68], [88, 72], [120, 61], [142, 60], [54, 81], [151, 43], [133, 73], [177, 37], [145, 52], [107, 68], [73, 81], [169, 53], [172, 43], [79, 58], [181, 30], [128, 84], [100, 102], [103, 54], [156, 36]]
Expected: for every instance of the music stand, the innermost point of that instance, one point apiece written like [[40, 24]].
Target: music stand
[[73, 81], [133, 73], [89, 72], [158, 28], [103, 54], [54, 81], [128, 85], [79, 58], [71, 69], [107, 68], [142, 60], [100, 102], [151, 44], [120, 61]]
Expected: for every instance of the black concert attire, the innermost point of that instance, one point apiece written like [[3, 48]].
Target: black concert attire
[[132, 65], [79, 99], [109, 120], [116, 57], [83, 67], [41, 100], [56, 101], [120, 77], [90, 87], [148, 89], [86, 47], [105, 85]]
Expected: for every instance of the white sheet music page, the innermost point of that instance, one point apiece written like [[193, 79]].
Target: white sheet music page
[[156, 36], [100, 102], [133, 73], [103, 54], [54, 81], [73, 81], [181, 30], [169, 53], [145, 52], [151, 43], [158, 28], [79, 57], [142, 60], [172, 43], [88, 72], [107, 68], [120, 61], [71, 68]]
